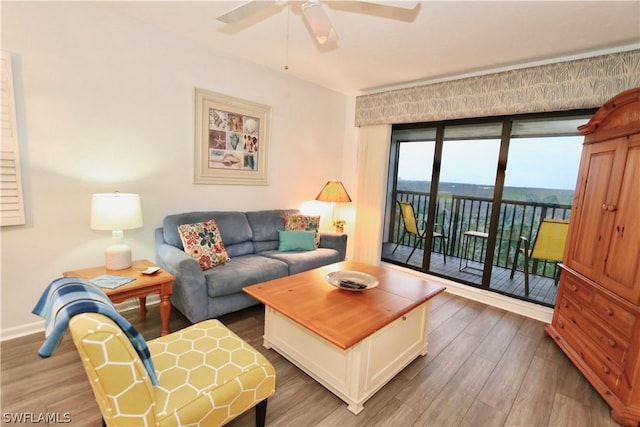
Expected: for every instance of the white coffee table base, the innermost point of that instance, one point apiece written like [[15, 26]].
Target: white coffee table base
[[357, 373]]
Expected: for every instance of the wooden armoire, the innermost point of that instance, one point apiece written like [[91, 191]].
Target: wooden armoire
[[596, 320]]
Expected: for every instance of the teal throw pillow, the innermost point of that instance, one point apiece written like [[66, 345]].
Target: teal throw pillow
[[296, 241]]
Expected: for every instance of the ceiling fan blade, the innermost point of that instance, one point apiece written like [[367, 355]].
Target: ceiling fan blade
[[390, 3], [319, 22], [245, 10]]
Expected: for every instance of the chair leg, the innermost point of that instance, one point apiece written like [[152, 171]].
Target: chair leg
[[261, 413], [414, 249], [443, 248], [526, 270], [415, 246], [399, 241], [525, 252], [515, 261], [556, 274]]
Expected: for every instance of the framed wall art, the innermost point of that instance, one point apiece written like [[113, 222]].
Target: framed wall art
[[231, 140]]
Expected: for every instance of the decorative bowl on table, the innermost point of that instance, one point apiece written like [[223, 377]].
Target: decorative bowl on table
[[350, 280]]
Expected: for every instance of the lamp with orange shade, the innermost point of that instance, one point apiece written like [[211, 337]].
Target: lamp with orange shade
[[334, 192]]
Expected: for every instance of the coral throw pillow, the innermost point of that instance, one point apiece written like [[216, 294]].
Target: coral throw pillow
[[202, 242], [299, 222]]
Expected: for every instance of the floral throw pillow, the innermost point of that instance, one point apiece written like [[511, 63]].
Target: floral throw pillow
[[202, 242], [299, 222]]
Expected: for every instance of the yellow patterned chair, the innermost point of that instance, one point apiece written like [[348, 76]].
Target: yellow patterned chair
[[206, 374]]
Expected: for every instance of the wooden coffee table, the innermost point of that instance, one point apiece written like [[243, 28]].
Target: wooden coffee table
[[143, 285], [352, 343]]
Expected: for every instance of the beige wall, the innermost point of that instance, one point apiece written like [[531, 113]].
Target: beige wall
[[105, 103]]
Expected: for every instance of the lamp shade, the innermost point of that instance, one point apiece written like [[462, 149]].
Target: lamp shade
[[115, 211], [333, 191]]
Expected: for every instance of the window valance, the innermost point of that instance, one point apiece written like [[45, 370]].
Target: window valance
[[583, 83]]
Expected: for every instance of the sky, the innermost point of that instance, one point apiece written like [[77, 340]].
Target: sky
[[550, 162]]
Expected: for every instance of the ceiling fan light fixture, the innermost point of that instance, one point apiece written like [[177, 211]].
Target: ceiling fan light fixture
[[319, 22]]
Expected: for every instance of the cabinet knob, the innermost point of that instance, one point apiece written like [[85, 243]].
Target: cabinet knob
[[561, 324], [612, 343], [609, 311], [574, 288], [606, 369], [566, 304]]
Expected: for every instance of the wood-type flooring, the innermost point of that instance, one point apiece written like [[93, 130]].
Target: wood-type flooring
[[484, 367]]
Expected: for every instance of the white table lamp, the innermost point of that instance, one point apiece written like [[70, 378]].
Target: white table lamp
[[116, 212]]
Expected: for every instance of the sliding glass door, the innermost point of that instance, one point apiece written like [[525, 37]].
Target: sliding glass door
[[476, 188], [466, 188]]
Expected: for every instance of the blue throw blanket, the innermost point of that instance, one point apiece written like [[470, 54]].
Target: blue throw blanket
[[66, 297]]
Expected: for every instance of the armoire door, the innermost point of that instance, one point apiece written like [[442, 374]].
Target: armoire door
[[588, 226], [621, 269]]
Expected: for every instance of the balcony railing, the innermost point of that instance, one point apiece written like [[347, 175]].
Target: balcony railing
[[457, 214]]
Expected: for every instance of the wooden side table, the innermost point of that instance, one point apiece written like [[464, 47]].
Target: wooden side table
[[143, 285]]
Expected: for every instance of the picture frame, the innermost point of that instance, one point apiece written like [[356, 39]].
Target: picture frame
[[231, 138]]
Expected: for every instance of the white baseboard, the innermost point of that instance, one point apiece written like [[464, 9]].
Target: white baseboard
[[524, 308], [22, 330], [38, 326], [494, 299]]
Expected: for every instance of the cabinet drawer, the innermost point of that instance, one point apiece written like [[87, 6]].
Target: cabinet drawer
[[614, 315], [603, 367], [613, 345], [576, 289], [609, 372], [567, 331], [570, 308]]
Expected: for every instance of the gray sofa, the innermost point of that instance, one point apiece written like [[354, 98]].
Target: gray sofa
[[251, 239]]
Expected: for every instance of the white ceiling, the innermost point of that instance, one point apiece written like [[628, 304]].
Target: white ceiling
[[382, 47]]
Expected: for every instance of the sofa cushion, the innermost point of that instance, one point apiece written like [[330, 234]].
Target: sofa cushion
[[202, 242], [265, 226], [234, 229], [243, 271], [296, 241], [299, 222], [300, 261]]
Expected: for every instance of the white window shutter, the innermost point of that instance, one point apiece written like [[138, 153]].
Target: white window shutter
[[11, 198]]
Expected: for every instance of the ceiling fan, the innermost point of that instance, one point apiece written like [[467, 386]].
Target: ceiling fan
[[313, 12]]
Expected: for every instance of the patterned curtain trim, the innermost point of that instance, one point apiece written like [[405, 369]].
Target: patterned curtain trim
[[584, 83]]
